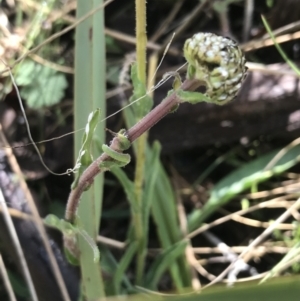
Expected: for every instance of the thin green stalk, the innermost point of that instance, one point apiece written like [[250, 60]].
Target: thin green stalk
[[282, 53], [89, 94], [140, 236], [141, 36]]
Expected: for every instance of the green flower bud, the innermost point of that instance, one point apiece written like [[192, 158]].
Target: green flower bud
[[217, 61]]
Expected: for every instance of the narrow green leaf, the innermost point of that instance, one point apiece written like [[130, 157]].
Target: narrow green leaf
[[242, 179], [165, 216], [126, 183], [53, 221], [123, 265], [162, 263], [151, 179], [89, 94], [280, 50], [85, 157], [292, 254], [92, 244], [109, 265], [286, 288]]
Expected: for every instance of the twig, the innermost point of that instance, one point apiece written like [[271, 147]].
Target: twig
[[257, 252], [17, 245], [39, 223], [275, 203], [163, 27], [189, 252], [239, 264], [57, 35], [261, 43], [255, 223], [18, 214], [6, 281], [185, 23], [284, 29], [258, 240], [111, 242]]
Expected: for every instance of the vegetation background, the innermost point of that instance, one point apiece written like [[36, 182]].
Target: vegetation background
[[209, 189]]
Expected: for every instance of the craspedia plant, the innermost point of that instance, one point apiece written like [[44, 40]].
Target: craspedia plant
[[219, 62]]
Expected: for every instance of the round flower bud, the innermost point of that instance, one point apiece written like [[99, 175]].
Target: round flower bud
[[219, 62]]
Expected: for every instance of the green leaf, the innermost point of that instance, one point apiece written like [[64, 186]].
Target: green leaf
[[127, 185], [282, 264], [284, 288], [165, 215], [193, 97], [70, 233], [162, 263], [109, 265], [41, 86], [17, 283], [123, 265], [92, 244], [113, 75], [151, 180], [53, 221], [144, 102], [111, 45], [241, 179], [85, 157]]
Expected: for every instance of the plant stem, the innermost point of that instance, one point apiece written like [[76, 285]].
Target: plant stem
[[160, 111], [141, 36]]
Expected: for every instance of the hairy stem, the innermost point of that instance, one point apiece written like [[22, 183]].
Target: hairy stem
[[160, 111]]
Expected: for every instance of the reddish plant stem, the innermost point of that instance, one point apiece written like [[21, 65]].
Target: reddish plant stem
[[160, 111]]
